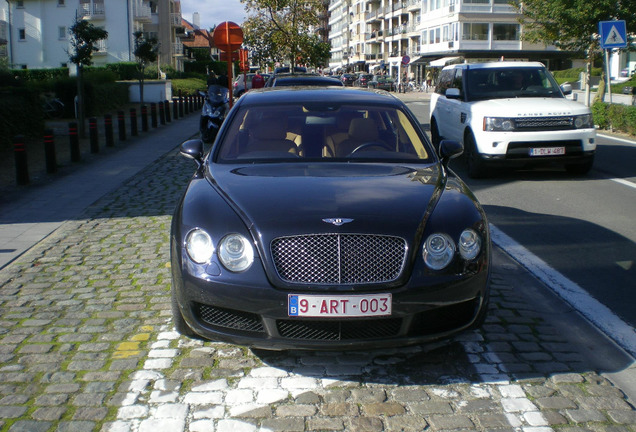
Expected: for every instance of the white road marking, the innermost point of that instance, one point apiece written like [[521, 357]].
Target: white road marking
[[597, 313]]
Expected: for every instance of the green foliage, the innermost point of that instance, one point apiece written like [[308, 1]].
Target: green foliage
[[84, 36], [20, 113], [126, 71], [188, 86], [284, 30], [617, 117]]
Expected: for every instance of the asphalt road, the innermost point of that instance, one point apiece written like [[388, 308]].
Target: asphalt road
[[582, 228]]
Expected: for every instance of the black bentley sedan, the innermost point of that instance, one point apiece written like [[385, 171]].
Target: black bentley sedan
[[323, 218]]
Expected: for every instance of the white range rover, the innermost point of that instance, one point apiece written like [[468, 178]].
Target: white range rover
[[511, 114]]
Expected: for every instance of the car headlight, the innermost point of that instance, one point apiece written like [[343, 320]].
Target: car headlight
[[469, 244], [199, 246], [584, 121], [236, 253], [499, 124], [438, 251]]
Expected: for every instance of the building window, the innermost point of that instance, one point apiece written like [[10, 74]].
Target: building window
[[21, 34], [475, 31], [507, 32], [61, 32], [19, 4], [476, 1], [61, 2]]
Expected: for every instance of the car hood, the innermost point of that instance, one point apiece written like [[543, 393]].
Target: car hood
[[287, 199], [529, 107]]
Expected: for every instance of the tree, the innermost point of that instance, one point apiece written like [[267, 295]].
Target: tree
[[146, 49], [572, 25], [279, 30], [84, 37]]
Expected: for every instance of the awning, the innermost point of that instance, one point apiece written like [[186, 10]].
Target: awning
[[443, 61]]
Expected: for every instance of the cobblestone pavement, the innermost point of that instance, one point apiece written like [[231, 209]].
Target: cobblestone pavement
[[86, 344]]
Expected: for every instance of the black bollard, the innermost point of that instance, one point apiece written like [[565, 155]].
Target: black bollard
[[108, 130], [144, 118], [133, 122], [175, 108], [73, 140], [121, 119], [162, 114], [49, 151], [21, 166], [180, 104], [166, 104], [153, 114], [92, 133]]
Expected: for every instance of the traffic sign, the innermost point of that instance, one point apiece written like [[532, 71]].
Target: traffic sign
[[228, 36], [613, 34]]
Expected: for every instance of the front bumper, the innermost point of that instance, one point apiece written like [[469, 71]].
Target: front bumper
[[515, 147], [257, 316]]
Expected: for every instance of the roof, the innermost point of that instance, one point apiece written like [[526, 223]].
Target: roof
[[315, 94]]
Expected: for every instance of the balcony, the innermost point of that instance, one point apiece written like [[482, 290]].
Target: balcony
[[175, 20], [3, 32], [92, 11], [177, 49], [142, 12], [102, 48]]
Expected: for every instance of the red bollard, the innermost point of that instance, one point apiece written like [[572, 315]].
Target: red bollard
[[21, 166], [108, 129], [49, 152], [74, 142], [121, 120]]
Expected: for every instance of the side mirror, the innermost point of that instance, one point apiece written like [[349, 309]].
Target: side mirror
[[449, 150], [566, 88], [453, 93], [193, 149]]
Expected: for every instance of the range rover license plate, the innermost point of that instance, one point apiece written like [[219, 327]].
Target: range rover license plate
[[339, 306], [547, 151]]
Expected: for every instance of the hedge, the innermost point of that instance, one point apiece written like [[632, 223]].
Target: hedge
[[617, 117]]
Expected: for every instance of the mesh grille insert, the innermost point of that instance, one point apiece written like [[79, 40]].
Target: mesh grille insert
[[339, 258]]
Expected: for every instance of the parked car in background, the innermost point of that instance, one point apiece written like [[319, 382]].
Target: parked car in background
[[382, 82], [511, 114], [348, 79], [323, 218], [238, 86], [301, 79], [363, 80]]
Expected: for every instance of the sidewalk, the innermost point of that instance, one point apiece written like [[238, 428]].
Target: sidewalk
[[41, 209]]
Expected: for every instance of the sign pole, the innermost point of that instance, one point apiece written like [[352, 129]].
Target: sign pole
[[607, 73]]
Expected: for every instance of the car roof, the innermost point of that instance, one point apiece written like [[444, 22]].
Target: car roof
[[315, 94], [496, 65], [303, 79]]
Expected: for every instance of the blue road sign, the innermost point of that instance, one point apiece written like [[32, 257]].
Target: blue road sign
[[613, 34]]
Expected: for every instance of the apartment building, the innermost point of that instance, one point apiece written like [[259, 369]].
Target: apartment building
[[34, 34], [399, 37]]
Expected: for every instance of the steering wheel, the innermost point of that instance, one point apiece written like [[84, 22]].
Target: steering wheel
[[380, 144]]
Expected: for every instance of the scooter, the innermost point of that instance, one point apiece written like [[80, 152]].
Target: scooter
[[215, 108]]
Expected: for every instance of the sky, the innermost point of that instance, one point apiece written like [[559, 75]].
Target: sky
[[213, 12]]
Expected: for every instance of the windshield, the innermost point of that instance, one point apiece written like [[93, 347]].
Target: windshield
[[321, 132], [498, 83], [218, 94]]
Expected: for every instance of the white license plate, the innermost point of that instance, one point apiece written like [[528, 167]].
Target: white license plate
[[339, 306], [547, 151]]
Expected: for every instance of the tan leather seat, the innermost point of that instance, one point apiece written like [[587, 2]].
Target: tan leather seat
[[270, 137], [361, 131]]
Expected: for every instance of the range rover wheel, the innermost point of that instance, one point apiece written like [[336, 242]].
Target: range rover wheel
[[476, 166], [580, 168]]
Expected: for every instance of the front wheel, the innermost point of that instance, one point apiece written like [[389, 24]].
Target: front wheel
[[476, 166], [581, 168]]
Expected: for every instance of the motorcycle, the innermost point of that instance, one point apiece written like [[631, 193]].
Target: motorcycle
[[215, 108]]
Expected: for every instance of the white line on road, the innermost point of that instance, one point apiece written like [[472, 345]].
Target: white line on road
[[624, 182], [597, 313]]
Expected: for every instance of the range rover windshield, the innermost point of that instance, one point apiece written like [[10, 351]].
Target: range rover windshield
[[503, 83]]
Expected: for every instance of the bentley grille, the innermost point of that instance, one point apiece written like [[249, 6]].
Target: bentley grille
[[339, 258]]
